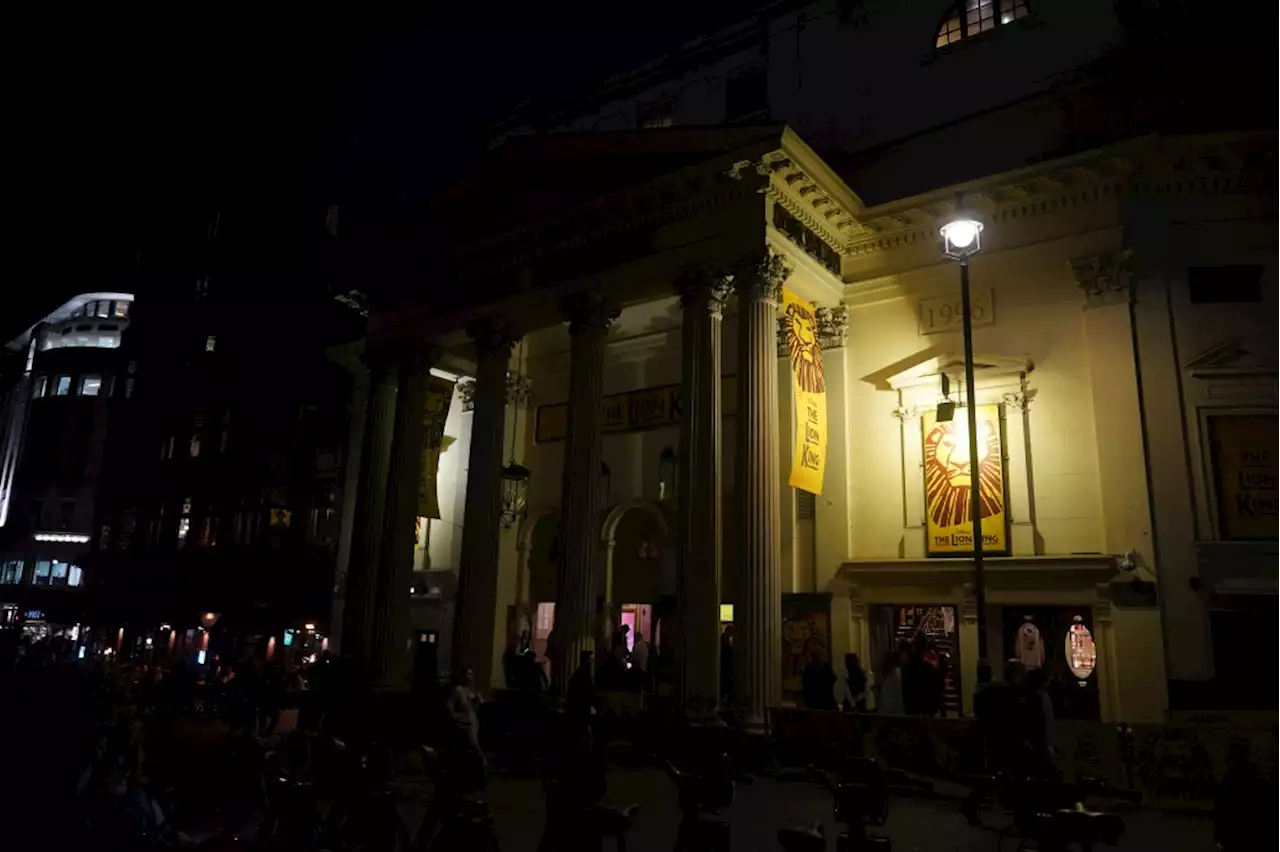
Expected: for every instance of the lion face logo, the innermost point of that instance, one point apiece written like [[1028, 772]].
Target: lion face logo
[[802, 341], [948, 468]]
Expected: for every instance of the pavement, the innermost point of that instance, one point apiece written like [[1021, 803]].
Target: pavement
[[919, 823]]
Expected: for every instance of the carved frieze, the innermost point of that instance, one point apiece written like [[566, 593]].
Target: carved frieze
[[1104, 279]]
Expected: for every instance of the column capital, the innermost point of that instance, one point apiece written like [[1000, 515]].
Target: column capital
[[698, 286], [589, 310], [493, 336], [759, 276], [832, 326], [1104, 279]]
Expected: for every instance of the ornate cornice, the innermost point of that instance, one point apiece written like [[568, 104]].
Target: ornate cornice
[[787, 183], [1104, 279]]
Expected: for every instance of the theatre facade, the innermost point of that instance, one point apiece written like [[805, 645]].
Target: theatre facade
[[682, 379]]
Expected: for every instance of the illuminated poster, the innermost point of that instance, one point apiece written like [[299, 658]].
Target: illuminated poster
[[949, 530], [434, 442], [809, 459], [1244, 461]]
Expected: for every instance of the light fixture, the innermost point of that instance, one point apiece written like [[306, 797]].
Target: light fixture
[[208, 619], [515, 477], [962, 236], [310, 625], [74, 538]]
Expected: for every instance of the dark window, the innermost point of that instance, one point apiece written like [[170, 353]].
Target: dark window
[[1219, 284], [747, 95]]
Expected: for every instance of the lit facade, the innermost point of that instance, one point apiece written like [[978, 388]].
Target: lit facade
[[1125, 354]]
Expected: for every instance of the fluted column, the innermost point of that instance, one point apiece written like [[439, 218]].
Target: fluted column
[[389, 625], [366, 532], [590, 316], [757, 616], [476, 601], [702, 298]]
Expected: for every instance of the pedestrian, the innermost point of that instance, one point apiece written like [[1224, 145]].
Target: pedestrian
[[640, 661], [464, 711], [888, 689], [818, 682], [851, 688]]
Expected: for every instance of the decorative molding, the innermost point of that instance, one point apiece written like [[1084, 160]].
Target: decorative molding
[[760, 276], [589, 310], [833, 326], [800, 194], [493, 336], [1104, 279], [518, 390], [1019, 400], [906, 412], [1225, 353], [697, 286]]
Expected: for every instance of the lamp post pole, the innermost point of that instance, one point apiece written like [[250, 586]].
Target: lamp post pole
[[975, 484]]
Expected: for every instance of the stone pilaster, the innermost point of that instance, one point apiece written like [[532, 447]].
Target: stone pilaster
[[702, 297], [357, 416], [590, 316], [389, 625], [757, 655], [476, 604], [366, 534]]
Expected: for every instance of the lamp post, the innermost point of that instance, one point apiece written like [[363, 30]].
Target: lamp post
[[962, 239]]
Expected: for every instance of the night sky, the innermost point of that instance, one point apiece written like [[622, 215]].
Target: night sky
[[114, 120]]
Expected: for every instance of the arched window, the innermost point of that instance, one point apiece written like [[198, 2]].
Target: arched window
[[969, 17]]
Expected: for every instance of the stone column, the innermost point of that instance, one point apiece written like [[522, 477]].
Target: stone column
[[702, 298], [476, 604], [357, 414], [590, 316], [389, 625], [366, 534], [757, 616]]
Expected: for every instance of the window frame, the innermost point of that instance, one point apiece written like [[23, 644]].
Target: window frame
[[84, 385], [958, 10]]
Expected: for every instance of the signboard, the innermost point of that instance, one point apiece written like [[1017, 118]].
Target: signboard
[[948, 521], [809, 457], [435, 413], [633, 411], [946, 313], [1243, 448]]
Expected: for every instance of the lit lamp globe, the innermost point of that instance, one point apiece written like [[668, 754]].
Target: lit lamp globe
[[961, 237], [515, 493]]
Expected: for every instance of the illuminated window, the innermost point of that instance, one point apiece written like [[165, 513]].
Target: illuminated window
[[209, 343], [58, 575], [41, 575], [75, 577], [63, 387], [107, 343], [11, 572], [90, 385], [42, 387], [968, 18], [120, 309]]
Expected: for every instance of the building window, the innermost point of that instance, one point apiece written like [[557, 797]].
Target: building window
[[42, 386], [968, 18], [107, 343], [75, 577], [63, 386], [1225, 284], [58, 574], [82, 341], [210, 343], [104, 309], [120, 310], [90, 385], [746, 96], [11, 572], [41, 575]]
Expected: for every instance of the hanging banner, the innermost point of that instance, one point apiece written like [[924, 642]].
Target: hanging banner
[[809, 459], [1243, 448], [435, 413], [947, 486]]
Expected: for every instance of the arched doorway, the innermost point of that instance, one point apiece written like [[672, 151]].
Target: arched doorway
[[639, 568]]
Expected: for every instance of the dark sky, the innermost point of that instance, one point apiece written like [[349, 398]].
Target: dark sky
[[115, 119]]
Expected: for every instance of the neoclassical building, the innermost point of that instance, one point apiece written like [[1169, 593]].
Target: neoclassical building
[[605, 404], [589, 320]]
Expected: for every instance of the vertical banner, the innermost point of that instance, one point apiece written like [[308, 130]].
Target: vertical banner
[[947, 469], [809, 459], [435, 413]]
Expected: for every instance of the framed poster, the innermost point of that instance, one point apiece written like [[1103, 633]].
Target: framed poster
[[1243, 456], [947, 468]]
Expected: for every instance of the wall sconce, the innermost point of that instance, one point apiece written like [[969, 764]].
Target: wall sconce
[[515, 494]]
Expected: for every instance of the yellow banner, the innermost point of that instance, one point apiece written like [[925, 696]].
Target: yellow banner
[[1244, 461], [947, 485], [435, 413], [809, 460]]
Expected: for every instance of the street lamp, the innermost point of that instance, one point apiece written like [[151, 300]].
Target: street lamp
[[961, 240]]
